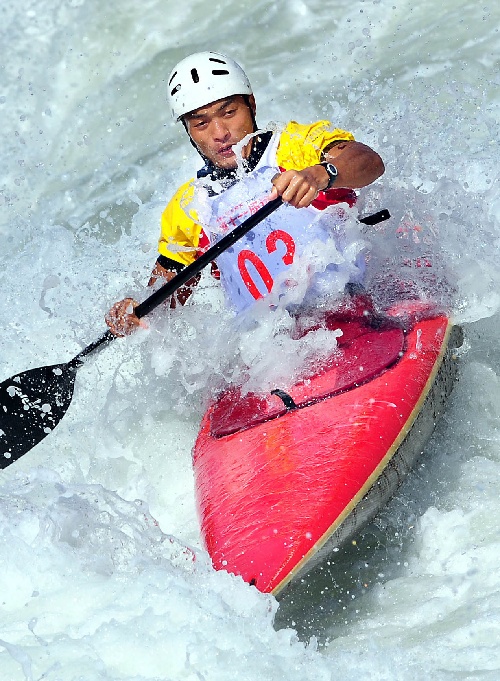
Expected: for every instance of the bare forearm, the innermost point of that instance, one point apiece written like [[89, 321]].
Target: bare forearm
[[163, 275], [357, 164]]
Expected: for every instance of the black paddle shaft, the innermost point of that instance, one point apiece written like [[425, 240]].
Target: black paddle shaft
[[32, 403], [187, 273], [199, 264]]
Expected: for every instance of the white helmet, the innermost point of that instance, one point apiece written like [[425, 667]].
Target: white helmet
[[202, 78]]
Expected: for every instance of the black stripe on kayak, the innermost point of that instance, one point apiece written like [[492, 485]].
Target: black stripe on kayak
[[285, 398], [376, 217]]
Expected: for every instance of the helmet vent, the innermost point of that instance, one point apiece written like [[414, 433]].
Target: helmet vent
[[220, 72], [195, 76], [218, 61], [173, 76]]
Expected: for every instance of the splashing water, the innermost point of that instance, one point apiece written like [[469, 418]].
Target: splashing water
[[103, 574]]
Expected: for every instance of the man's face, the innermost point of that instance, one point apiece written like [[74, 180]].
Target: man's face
[[217, 127]]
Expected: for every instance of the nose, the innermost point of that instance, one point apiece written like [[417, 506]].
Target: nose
[[220, 130]]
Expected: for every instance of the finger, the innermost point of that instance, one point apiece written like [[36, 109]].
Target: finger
[[281, 181], [121, 319], [290, 189], [115, 330], [278, 186], [299, 191], [308, 198]]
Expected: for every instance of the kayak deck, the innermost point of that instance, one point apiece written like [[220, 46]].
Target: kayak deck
[[278, 487]]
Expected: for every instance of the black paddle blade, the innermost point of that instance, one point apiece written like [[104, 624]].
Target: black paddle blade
[[31, 406]]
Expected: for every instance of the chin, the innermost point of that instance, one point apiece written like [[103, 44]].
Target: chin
[[227, 163]]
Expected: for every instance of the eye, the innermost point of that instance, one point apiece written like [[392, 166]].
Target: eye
[[230, 112]]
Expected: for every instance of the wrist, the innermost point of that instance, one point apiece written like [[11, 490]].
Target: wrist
[[331, 172]]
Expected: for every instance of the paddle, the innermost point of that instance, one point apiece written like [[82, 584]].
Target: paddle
[[32, 403]]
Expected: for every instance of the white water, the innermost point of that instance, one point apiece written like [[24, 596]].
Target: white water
[[90, 586]]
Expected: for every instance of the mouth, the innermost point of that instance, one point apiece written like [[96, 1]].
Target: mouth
[[226, 152]]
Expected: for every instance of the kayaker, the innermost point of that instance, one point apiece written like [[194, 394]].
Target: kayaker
[[316, 165]]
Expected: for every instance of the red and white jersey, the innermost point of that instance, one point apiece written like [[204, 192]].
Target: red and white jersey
[[292, 254]]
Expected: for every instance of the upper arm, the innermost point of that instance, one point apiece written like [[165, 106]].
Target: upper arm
[[352, 150], [180, 231], [358, 164], [334, 148]]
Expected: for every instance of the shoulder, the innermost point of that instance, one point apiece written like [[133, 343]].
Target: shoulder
[[180, 200], [300, 145], [184, 192], [314, 133], [179, 215]]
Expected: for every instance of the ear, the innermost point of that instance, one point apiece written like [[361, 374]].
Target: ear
[[252, 104]]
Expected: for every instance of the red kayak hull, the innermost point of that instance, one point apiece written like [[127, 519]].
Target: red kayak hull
[[277, 488]]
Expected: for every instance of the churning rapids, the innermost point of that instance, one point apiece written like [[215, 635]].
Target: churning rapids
[[102, 572]]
